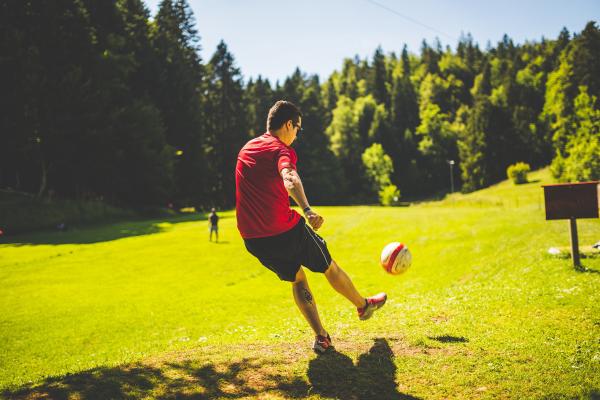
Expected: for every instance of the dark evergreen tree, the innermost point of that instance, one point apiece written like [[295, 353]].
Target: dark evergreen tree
[[488, 145], [259, 98], [330, 97], [317, 165], [47, 63], [579, 66], [429, 58], [127, 101], [348, 79], [227, 124], [378, 80], [178, 94], [404, 117]]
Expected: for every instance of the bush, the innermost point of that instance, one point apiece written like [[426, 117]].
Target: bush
[[22, 212], [389, 196], [518, 172]]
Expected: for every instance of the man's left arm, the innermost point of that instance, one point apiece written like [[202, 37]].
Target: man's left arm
[[295, 189]]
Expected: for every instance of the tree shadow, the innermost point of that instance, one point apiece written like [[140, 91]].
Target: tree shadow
[[100, 233], [449, 339], [330, 375], [174, 380], [333, 374]]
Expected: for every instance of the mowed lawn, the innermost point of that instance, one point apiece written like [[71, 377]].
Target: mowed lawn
[[151, 309]]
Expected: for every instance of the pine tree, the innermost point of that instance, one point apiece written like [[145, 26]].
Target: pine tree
[[487, 147], [259, 98], [404, 119], [582, 151], [347, 145], [378, 79], [348, 79], [177, 95], [317, 165], [131, 162], [429, 58], [579, 66], [48, 55], [227, 124], [293, 87]]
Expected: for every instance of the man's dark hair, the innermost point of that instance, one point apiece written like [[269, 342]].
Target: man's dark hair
[[282, 112]]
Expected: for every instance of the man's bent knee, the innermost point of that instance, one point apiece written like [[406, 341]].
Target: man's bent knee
[[300, 276], [332, 269]]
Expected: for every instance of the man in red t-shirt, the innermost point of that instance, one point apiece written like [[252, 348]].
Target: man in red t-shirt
[[265, 178]]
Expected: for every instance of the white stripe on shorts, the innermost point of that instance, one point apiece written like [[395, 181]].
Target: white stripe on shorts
[[310, 232]]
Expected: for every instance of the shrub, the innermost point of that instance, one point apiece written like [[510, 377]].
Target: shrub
[[518, 172], [22, 212], [389, 195]]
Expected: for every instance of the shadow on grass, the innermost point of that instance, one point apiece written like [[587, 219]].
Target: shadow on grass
[[449, 339], [374, 377], [330, 375], [585, 269], [173, 380], [100, 233]]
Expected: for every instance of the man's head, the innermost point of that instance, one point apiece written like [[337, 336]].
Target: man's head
[[212, 210], [284, 121]]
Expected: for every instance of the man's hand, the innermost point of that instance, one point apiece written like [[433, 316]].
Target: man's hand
[[314, 219]]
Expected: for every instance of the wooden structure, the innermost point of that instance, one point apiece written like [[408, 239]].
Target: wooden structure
[[571, 201]]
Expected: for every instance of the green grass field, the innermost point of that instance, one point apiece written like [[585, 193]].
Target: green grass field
[[153, 310]]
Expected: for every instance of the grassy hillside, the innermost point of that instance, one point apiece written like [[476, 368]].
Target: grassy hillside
[[152, 309]]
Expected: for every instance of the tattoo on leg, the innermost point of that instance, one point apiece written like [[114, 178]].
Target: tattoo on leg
[[307, 296]]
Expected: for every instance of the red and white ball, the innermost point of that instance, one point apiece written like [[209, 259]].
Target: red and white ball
[[396, 258]]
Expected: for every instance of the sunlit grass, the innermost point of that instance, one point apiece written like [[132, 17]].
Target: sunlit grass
[[484, 310]]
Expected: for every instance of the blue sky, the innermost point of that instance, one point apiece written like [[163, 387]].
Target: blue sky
[[272, 38]]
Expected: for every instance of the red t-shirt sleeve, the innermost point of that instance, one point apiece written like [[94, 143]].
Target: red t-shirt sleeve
[[286, 158]]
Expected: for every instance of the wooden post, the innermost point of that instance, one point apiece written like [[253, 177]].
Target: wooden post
[[574, 243], [571, 201]]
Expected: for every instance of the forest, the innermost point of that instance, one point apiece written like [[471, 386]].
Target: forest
[[101, 100]]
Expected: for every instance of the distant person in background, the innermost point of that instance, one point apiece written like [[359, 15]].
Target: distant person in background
[[279, 237], [213, 225]]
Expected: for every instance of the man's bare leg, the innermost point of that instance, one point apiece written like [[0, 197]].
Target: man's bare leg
[[341, 282], [306, 303]]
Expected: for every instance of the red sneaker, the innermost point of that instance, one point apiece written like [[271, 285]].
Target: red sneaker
[[322, 343], [372, 303]]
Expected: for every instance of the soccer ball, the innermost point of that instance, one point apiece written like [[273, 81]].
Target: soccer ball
[[396, 258]]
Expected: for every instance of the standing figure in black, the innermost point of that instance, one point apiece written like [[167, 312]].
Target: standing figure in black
[[213, 222]]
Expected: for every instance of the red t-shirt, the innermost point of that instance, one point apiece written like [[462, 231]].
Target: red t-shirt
[[262, 201]]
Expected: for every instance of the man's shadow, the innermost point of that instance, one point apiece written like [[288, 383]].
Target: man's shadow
[[333, 374]]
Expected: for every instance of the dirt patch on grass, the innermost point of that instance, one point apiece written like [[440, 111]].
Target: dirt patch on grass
[[355, 369]]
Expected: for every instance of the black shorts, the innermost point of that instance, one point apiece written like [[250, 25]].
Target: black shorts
[[285, 253]]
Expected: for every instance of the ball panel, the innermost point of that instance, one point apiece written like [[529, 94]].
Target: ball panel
[[402, 262], [387, 252], [393, 261]]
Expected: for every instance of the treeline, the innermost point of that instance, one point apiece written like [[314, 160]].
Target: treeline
[[99, 100]]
